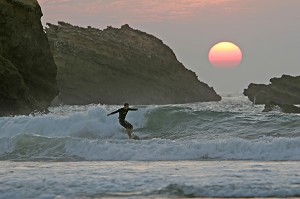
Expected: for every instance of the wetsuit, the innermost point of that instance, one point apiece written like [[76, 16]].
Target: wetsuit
[[122, 114]]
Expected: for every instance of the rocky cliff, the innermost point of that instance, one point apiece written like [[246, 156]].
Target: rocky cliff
[[284, 90], [115, 65], [27, 68]]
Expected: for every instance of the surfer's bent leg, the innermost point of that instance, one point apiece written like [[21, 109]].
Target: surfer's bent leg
[[129, 129], [127, 126]]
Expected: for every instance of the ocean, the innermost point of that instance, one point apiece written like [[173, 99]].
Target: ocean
[[226, 149]]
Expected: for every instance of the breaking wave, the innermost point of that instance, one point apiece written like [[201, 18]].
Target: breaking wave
[[217, 131]]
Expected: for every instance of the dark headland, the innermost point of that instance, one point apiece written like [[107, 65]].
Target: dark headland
[[27, 68], [115, 65]]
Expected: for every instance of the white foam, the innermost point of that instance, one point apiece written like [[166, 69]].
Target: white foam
[[6, 145], [92, 122], [156, 149]]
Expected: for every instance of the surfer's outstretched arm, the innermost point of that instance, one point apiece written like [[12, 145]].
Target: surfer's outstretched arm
[[113, 112], [132, 109]]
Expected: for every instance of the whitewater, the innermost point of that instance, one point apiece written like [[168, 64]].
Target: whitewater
[[212, 149]]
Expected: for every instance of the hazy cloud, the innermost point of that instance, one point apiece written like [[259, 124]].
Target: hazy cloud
[[131, 11]]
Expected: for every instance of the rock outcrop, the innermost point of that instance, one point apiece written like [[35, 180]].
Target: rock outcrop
[[27, 68], [285, 108], [281, 91], [115, 65]]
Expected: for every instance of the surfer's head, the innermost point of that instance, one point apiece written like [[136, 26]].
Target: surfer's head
[[126, 105]]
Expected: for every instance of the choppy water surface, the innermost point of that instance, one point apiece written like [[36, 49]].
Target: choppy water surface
[[159, 179]]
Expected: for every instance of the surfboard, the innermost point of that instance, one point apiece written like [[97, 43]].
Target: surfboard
[[135, 137]]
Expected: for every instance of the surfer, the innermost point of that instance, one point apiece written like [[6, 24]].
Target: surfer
[[122, 114]]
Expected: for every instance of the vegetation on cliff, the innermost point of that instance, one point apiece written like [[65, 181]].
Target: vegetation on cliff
[[115, 65]]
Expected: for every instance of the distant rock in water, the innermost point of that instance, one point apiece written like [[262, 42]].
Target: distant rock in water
[[115, 65], [282, 91], [27, 68], [285, 108]]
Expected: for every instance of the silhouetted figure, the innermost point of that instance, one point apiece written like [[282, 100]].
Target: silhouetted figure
[[122, 115]]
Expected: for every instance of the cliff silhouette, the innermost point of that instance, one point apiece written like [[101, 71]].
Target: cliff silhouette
[[27, 68], [115, 65]]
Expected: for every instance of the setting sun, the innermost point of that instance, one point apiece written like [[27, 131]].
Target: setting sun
[[225, 55]]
